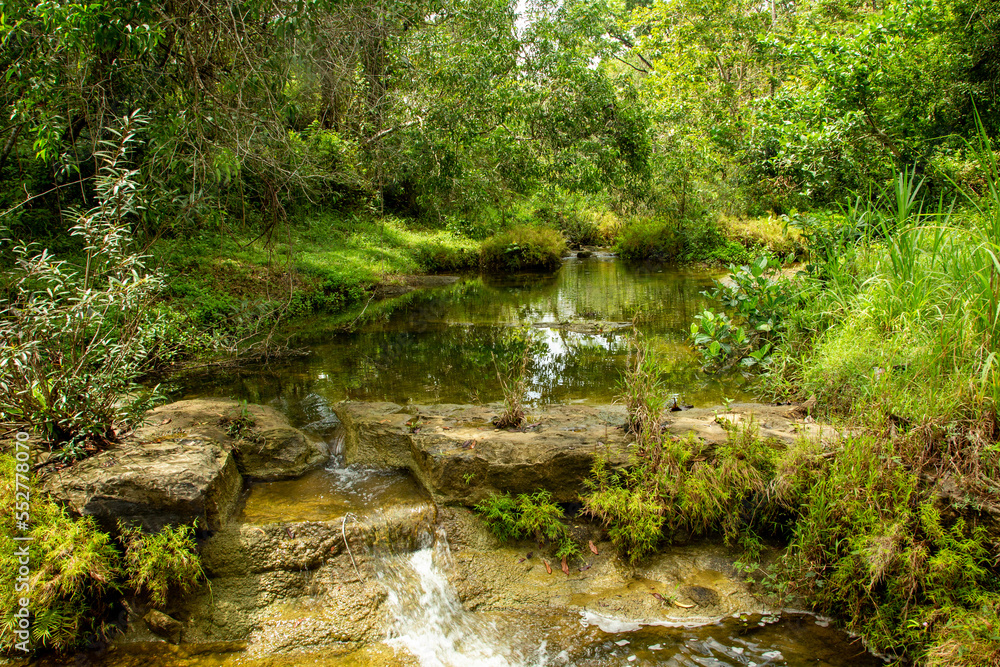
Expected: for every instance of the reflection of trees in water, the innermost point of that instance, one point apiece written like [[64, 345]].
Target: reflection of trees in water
[[438, 345]]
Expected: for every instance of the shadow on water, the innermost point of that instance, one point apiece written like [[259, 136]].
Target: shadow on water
[[437, 345]]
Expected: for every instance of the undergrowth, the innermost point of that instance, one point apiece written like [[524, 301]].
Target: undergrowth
[[529, 516], [78, 573]]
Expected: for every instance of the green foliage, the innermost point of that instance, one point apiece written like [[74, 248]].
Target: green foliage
[[75, 339], [523, 249], [675, 486], [73, 571], [686, 240], [759, 299], [641, 390], [649, 239], [156, 563], [528, 516], [241, 426], [437, 257], [884, 558]]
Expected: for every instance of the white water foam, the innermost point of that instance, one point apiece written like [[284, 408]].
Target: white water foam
[[431, 623]]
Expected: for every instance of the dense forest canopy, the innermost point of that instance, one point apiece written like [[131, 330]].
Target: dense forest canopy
[[449, 109]]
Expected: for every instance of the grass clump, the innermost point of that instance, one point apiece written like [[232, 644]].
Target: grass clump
[[512, 375], [524, 248], [528, 516], [641, 390], [672, 486]]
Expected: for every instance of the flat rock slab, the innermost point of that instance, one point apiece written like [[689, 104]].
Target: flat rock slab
[[460, 457], [691, 584], [784, 424], [271, 449], [152, 484]]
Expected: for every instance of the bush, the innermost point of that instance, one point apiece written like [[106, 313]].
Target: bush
[[73, 341], [438, 257], [759, 300], [532, 516], [523, 249], [679, 485], [650, 239]]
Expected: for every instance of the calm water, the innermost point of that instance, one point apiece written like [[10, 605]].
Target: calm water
[[438, 345]]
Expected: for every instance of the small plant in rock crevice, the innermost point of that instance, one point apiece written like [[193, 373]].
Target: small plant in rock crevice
[[242, 426], [512, 375], [641, 390]]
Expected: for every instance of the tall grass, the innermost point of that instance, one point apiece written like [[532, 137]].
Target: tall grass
[[903, 326]]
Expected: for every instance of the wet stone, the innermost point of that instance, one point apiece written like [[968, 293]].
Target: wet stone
[[701, 596]]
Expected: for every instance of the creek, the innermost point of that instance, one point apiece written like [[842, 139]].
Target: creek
[[436, 346]]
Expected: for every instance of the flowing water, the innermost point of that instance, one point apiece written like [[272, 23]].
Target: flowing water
[[438, 345]]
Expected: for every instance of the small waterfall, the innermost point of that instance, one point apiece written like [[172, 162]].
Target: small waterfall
[[430, 622]]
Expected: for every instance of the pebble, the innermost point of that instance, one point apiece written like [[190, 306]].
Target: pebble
[[631, 658], [656, 647], [621, 642]]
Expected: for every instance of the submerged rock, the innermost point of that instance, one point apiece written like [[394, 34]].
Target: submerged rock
[[591, 327], [164, 626], [172, 481], [701, 596]]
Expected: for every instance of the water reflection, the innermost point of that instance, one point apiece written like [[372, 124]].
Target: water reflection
[[437, 345]]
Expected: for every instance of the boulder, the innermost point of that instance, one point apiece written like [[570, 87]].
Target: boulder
[[152, 484], [265, 446]]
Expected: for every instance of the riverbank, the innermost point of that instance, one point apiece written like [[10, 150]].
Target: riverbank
[[298, 564], [330, 262]]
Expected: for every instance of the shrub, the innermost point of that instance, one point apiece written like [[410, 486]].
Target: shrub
[[523, 249], [759, 300], [650, 239], [73, 341], [439, 257], [678, 485]]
